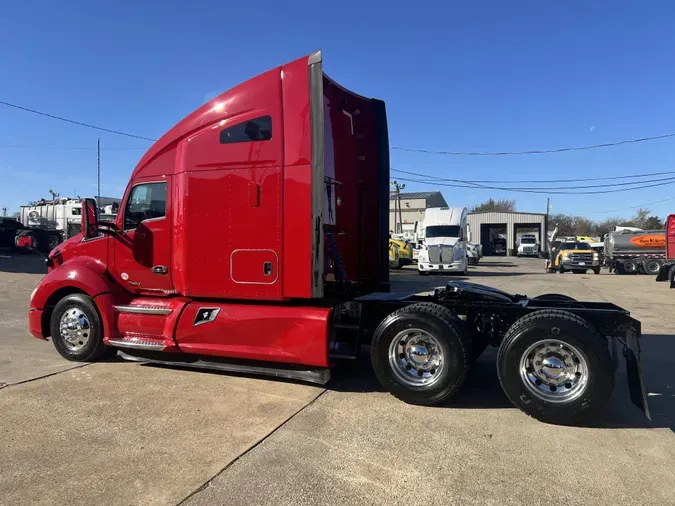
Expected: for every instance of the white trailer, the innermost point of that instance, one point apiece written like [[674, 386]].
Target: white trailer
[[60, 214]]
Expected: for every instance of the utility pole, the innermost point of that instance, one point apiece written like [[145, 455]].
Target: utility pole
[[398, 226], [4, 211], [548, 208], [98, 171]]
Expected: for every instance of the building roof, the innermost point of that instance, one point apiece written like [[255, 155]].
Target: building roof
[[506, 212], [414, 195]]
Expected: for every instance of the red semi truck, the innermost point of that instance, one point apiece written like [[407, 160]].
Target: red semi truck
[[253, 237]]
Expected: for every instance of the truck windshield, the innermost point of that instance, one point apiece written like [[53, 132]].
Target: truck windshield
[[442, 231], [575, 245], [528, 240]]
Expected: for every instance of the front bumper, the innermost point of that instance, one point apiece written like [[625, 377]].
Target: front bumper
[[571, 264], [452, 267], [35, 323]]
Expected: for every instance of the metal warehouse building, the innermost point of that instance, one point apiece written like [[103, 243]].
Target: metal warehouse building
[[492, 228]]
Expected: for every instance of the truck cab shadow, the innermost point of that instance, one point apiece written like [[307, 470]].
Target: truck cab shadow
[[483, 391], [21, 263]]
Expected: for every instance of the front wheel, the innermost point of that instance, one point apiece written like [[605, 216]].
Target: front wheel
[[596, 270], [423, 273], [421, 353], [76, 329], [52, 242], [555, 367]]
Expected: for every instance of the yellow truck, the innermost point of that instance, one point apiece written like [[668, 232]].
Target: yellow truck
[[405, 253], [574, 256]]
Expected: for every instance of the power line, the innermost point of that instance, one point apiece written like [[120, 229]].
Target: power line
[[74, 148], [519, 188], [632, 207], [534, 151], [646, 174], [117, 132], [547, 192]]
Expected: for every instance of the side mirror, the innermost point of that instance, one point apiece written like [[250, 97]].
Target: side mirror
[[24, 241], [89, 218]]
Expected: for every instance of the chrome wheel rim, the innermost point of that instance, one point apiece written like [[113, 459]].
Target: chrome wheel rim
[[554, 371], [416, 358], [74, 328]]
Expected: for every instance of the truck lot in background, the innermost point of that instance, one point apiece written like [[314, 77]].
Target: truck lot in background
[[125, 433]]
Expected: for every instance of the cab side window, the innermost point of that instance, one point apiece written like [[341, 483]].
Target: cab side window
[[258, 129], [146, 202]]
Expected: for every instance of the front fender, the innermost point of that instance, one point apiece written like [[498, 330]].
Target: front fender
[[87, 274]]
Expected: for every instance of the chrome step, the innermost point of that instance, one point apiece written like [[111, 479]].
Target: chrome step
[[318, 376], [138, 343], [144, 310]]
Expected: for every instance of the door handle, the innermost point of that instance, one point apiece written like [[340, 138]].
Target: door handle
[[160, 269]]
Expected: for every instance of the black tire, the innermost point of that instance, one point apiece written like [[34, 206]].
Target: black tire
[[93, 348], [652, 266], [574, 331], [422, 273], [561, 270], [556, 297], [53, 241], [596, 270], [455, 344], [629, 267]]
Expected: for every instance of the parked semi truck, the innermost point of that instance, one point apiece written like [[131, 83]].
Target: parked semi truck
[[445, 239], [276, 288], [632, 252]]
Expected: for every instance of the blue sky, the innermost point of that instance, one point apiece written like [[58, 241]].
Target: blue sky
[[467, 76]]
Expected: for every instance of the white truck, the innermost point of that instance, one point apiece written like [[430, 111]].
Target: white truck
[[528, 245], [444, 244]]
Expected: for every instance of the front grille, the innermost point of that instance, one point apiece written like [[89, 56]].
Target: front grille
[[440, 254], [581, 257], [528, 249]]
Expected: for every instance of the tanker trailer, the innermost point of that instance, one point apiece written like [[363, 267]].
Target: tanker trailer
[[632, 252]]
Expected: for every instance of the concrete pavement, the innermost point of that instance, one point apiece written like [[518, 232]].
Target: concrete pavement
[[123, 433]]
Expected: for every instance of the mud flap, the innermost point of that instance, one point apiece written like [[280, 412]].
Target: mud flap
[[636, 385]]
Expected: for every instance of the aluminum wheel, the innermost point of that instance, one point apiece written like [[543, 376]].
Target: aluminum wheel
[[416, 357], [554, 371], [74, 328]]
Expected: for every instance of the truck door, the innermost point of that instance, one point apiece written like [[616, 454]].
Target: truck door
[[142, 248]]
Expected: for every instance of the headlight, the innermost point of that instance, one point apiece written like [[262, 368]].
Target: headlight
[[596, 256]]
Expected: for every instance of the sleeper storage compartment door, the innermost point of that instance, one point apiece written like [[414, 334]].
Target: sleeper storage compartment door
[[254, 266]]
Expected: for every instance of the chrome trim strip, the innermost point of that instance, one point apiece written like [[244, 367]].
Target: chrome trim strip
[[136, 344], [318, 376], [143, 310], [316, 117]]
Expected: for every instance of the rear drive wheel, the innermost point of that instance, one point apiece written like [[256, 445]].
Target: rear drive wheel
[[76, 329], [421, 353], [629, 267], [652, 266], [555, 367]]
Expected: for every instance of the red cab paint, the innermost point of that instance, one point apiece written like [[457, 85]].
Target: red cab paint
[[229, 210]]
